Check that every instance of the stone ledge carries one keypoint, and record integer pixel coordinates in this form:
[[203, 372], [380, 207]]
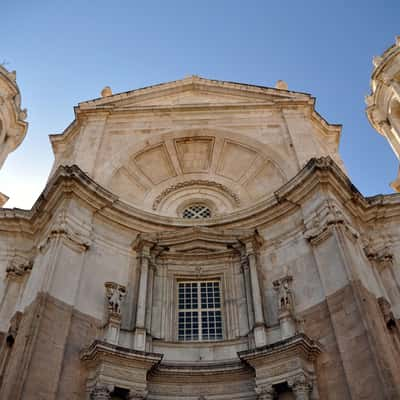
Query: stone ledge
[[99, 350], [295, 345]]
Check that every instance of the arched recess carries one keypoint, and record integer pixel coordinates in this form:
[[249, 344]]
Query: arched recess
[[249, 168]]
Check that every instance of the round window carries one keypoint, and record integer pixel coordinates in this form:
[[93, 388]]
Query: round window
[[196, 211]]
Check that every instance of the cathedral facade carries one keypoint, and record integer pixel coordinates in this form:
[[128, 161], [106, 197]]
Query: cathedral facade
[[200, 239]]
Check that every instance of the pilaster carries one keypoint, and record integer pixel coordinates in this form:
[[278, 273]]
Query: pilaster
[[259, 330], [338, 253]]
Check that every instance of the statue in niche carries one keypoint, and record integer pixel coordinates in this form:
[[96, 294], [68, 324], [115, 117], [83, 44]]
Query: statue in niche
[[115, 294]]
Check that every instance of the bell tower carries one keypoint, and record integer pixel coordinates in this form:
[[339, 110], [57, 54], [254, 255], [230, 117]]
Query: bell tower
[[383, 104]]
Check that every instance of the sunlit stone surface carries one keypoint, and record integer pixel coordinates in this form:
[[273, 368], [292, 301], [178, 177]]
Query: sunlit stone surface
[[200, 239]]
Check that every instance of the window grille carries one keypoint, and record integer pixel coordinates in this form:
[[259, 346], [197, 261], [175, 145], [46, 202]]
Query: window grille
[[199, 314], [196, 211]]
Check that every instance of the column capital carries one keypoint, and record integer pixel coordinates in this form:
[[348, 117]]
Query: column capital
[[18, 267], [301, 386], [100, 392], [265, 392]]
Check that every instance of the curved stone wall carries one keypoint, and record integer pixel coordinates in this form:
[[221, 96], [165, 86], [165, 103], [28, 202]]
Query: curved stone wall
[[383, 105], [12, 118]]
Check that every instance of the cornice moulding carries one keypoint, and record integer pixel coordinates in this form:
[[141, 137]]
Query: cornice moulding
[[318, 174], [265, 96]]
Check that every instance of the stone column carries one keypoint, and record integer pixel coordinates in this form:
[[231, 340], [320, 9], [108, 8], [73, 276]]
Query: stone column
[[259, 324], [140, 331], [149, 301], [247, 285]]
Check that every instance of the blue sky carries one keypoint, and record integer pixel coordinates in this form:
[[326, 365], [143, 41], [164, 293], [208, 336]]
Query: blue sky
[[66, 52]]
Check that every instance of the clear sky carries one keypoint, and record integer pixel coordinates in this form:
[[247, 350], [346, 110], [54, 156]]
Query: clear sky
[[67, 51]]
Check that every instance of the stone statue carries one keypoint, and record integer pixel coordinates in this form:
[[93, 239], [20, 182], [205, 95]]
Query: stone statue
[[115, 294], [285, 294]]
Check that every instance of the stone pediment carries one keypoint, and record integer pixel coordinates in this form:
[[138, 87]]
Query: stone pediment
[[193, 91], [195, 241]]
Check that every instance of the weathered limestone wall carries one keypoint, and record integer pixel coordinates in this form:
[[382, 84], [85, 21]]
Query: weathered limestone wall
[[45, 362], [339, 266]]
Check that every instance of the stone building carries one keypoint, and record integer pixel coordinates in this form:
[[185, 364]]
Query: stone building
[[12, 118], [200, 239], [383, 105]]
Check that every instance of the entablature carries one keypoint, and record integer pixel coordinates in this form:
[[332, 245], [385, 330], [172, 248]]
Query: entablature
[[318, 175]]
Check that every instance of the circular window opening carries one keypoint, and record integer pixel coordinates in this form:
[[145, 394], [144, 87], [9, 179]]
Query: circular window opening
[[196, 211]]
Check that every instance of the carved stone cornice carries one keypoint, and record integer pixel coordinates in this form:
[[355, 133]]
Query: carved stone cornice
[[320, 225], [111, 365], [199, 372], [200, 242], [318, 172], [99, 351], [71, 238], [195, 182], [299, 345]]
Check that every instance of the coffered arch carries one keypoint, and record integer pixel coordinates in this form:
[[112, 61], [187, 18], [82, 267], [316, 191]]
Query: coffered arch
[[234, 169]]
